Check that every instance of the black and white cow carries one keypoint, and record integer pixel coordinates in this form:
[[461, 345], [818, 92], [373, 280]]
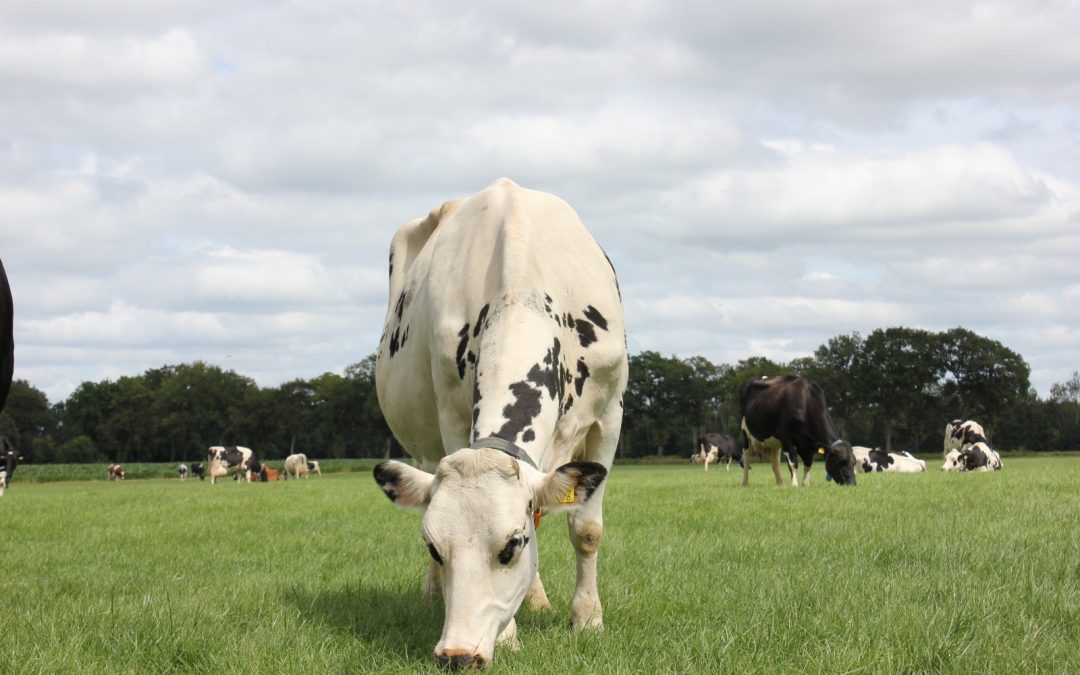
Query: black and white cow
[[314, 468], [232, 460], [197, 469], [9, 459], [976, 457], [869, 460], [183, 471], [788, 413], [7, 338], [959, 435], [501, 370], [713, 448]]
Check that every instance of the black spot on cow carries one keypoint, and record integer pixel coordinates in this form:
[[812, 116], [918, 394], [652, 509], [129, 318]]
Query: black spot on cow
[[880, 458], [583, 374], [481, 319], [520, 414], [463, 344], [586, 334], [386, 477], [399, 306], [528, 436], [594, 315], [395, 344], [391, 263]]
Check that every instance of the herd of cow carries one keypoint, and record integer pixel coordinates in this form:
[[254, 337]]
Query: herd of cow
[[501, 370], [966, 449], [240, 463]]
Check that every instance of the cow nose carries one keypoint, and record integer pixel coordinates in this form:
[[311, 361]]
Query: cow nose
[[458, 660]]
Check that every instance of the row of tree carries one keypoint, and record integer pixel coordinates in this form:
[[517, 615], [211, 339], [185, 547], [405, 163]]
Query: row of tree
[[896, 387]]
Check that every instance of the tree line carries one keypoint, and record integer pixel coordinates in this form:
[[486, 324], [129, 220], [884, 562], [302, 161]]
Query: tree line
[[894, 388]]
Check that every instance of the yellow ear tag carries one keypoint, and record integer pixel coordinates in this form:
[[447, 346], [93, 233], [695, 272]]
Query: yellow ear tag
[[568, 498], [821, 451]]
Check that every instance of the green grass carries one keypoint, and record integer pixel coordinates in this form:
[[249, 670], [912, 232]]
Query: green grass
[[905, 573], [53, 473]]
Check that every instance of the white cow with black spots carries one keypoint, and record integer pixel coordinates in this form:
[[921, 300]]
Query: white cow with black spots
[[976, 457], [230, 461], [960, 435], [501, 371], [870, 460]]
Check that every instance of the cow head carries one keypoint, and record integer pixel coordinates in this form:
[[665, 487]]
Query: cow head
[[954, 461], [840, 462], [478, 527]]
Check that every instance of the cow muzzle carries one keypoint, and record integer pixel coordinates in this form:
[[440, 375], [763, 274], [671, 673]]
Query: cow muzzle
[[460, 659]]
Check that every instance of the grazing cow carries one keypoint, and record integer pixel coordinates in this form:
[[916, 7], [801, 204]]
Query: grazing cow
[[791, 410], [296, 466], [501, 371], [10, 458], [197, 469], [183, 470], [115, 472], [869, 460], [716, 447], [233, 460], [7, 338], [977, 457], [959, 435], [313, 467], [771, 448]]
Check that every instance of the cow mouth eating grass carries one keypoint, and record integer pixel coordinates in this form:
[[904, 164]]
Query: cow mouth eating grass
[[479, 508]]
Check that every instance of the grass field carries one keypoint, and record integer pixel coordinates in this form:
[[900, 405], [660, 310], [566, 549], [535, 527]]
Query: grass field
[[905, 573]]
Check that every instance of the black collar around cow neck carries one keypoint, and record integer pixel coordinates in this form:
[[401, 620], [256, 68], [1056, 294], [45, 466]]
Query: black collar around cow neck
[[496, 443]]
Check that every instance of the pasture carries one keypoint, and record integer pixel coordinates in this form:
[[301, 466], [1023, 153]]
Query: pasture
[[930, 572]]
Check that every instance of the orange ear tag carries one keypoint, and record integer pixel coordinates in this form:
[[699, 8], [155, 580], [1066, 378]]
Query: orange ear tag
[[536, 518]]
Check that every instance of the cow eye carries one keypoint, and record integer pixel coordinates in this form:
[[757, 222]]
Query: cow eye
[[515, 543], [434, 553]]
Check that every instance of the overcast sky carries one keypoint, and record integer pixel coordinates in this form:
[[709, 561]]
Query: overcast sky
[[206, 180]]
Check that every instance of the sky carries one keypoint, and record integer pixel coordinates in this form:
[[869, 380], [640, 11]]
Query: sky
[[187, 180]]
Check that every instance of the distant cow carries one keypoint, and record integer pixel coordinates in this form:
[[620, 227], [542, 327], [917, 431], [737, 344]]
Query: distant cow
[[791, 411], [183, 471], [197, 469], [714, 448], [959, 435], [313, 467], [977, 457], [232, 460], [9, 459], [870, 460], [115, 472], [296, 465], [268, 474]]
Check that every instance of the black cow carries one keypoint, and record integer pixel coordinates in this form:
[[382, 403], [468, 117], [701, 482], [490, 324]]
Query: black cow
[[7, 338], [717, 447], [197, 469], [788, 413]]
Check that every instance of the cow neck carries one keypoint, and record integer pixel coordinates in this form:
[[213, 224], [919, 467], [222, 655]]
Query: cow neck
[[496, 443]]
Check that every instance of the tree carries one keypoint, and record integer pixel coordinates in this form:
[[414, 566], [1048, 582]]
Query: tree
[[659, 401], [898, 370], [1068, 393], [982, 377], [28, 411]]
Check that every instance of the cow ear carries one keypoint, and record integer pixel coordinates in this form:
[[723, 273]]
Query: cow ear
[[569, 486], [407, 487]]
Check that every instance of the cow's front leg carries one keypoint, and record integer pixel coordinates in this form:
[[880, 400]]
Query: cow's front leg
[[433, 583], [508, 637], [586, 529], [537, 597]]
